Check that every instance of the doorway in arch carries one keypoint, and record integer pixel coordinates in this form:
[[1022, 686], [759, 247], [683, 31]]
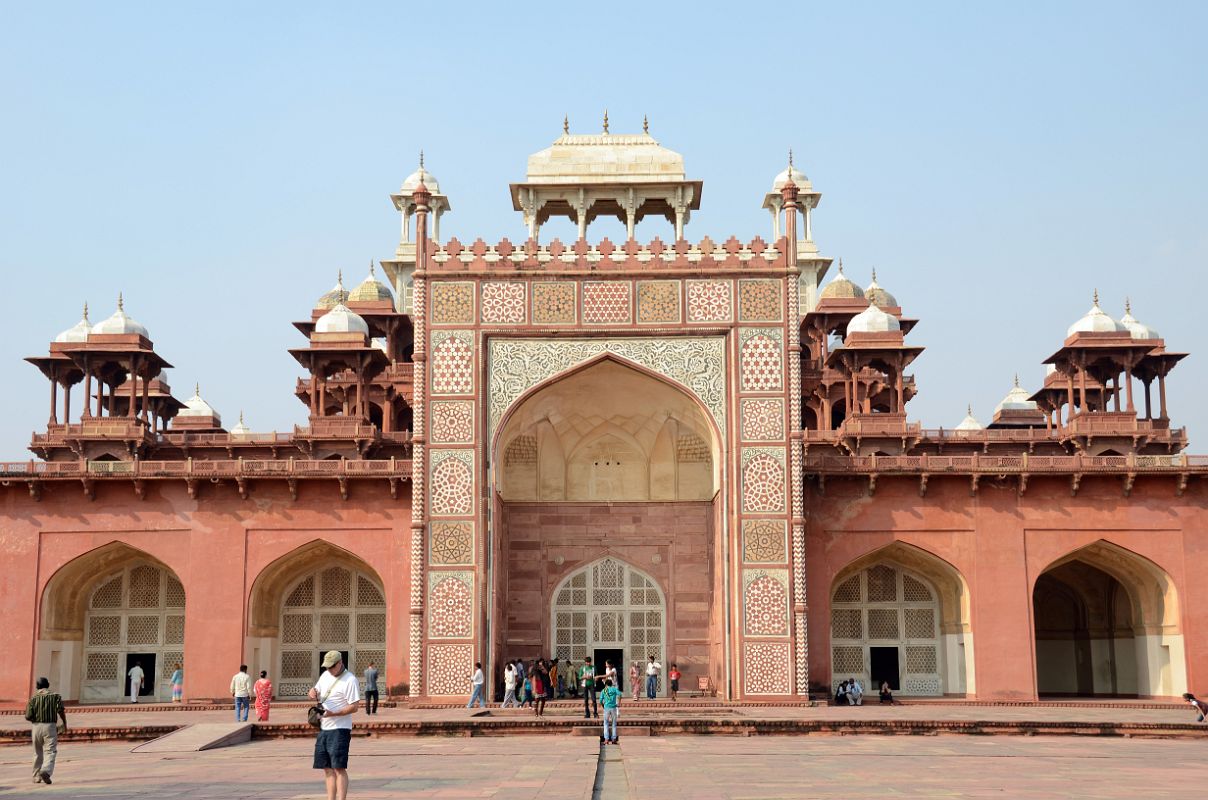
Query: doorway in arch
[[609, 606]]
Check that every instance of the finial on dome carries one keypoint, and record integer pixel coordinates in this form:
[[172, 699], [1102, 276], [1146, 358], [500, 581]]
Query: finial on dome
[[874, 274], [969, 409], [1096, 298], [1127, 306], [645, 124], [421, 158], [340, 279], [1016, 380], [120, 306], [241, 416], [606, 120], [790, 160], [85, 309], [565, 124], [840, 265], [371, 267], [197, 388]]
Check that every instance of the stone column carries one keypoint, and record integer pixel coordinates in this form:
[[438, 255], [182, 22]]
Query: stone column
[[419, 438]]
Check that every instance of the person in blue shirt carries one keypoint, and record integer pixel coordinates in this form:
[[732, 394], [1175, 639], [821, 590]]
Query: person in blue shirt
[[610, 699]]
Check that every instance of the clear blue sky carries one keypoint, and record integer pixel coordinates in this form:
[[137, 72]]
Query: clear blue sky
[[217, 164]]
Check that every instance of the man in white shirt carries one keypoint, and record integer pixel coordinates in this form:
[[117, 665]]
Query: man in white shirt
[[509, 687], [241, 690], [476, 683], [856, 693], [652, 677], [337, 691], [136, 681]]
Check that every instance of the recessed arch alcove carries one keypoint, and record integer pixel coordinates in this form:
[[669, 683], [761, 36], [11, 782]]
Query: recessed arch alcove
[[608, 463]]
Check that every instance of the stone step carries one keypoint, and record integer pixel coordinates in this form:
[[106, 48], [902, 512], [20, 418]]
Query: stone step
[[200, 736]]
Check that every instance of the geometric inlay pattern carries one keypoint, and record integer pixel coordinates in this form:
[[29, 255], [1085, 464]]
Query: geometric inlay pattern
[[451, 543], [766, 668], [453, 421], [658, 301], [761, 360], [710, 301], [766, 602], [452, 483], [449, 668], [502, 302], [759, 301], [450, 605], [453, 362], [554, 303], [764, 541], [452, 302], [763, 479], [697, 363], [606, 302], [763, 420]]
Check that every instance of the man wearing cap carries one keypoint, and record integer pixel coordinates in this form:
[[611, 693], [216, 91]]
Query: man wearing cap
[[44, 709], [337, 691]]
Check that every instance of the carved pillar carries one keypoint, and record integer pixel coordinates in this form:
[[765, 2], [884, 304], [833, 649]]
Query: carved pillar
[[419, 461], [54, 400], [1162, 397], [796, 483]]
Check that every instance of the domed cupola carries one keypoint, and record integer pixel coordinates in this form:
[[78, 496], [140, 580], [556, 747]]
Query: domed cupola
[[197, 407], [1095, 321], [78, 332], [370, 290], [333, 298], [799, 179], [1016, 400], [873, 320], [841, 288], [970, 423], [119, 323], [421, 175], [240, 429], [1138, 330], [878, 296], [342, 319]]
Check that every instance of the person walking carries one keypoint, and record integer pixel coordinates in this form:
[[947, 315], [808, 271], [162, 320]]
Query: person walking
[[509, 686], [371, 689], [43, 710], [136, 681], [587, 680], [241, 690], [477, 685], [178, 683], [652, 677], [610, 699], [263, 690], [540, 678], [1201, 708], [674, 676], [635, 680], [337, 691], [554, 694]]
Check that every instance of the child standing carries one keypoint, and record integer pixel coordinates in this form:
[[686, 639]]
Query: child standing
[[674, 676], [610, 698]]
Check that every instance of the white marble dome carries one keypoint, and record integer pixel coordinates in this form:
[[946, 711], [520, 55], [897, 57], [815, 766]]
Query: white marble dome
[[841, 288], [1016, 400], [240, 429], [338, 294], [878, 296], [341, 319], [78, 332], [196, 407], [1138, 330], [421, 175], [970, 423], [1095, 321], [873, 320], [799, 179], [120, 323]]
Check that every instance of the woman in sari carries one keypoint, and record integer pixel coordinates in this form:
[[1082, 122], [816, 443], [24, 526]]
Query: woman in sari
[[263, 690], [178, 684], [635, 680]]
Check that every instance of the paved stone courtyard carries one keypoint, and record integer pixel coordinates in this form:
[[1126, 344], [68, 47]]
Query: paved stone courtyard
[[661, 768]]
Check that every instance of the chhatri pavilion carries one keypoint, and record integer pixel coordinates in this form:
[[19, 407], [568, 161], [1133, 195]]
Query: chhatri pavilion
[[695, 449]]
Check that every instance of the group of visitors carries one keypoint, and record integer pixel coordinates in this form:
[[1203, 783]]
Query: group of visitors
[[851, 692]]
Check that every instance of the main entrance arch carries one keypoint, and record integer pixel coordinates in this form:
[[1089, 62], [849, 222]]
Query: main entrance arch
[[608, 605]]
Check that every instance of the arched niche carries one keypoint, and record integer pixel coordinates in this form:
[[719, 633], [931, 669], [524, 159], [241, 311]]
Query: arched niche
[[1106, 622], [919, 580], [268, 590], [102, 609], [608, 432]]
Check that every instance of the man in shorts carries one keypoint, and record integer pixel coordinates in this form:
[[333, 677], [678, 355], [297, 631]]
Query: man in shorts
[[337, 691]]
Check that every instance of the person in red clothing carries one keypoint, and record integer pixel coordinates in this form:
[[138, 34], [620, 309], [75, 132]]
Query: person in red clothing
[[674, 676]]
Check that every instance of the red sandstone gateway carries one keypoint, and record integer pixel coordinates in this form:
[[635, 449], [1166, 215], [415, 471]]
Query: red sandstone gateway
[[678, 450]]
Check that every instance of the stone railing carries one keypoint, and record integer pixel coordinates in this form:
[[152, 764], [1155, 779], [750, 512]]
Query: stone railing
[[1023, 463], [198, 468], [116, 428], [657, 255]]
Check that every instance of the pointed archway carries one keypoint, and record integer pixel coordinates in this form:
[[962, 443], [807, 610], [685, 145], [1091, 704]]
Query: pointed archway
[[1106, 623], [102, 613]]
